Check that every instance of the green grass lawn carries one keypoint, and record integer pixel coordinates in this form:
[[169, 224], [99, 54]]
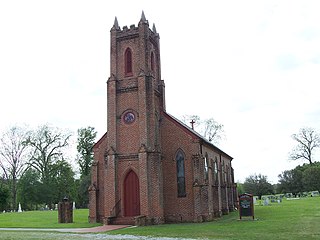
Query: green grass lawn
[[44, 219], [291, 219], [294, 219]]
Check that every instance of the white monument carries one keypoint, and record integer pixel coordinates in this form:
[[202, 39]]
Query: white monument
[[19, 208]]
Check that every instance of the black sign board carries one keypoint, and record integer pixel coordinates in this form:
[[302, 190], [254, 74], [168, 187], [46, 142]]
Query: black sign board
[[246, 205]]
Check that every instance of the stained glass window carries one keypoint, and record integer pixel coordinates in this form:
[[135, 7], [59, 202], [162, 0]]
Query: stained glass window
[[180, 174]]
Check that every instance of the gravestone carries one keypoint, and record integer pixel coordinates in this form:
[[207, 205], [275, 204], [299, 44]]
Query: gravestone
[[246, 205], [19, 208], [65, 211]]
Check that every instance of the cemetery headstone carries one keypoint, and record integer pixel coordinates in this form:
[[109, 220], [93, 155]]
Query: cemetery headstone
[[246, 205]]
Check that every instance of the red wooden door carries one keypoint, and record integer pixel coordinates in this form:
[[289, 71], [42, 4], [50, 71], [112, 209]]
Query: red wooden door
[[131, 195]]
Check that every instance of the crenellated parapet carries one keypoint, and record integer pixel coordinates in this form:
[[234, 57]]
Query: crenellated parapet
[[133, 31]]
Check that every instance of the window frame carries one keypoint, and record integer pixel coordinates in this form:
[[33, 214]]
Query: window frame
[[206, 167], [128, 64], [181, 180]]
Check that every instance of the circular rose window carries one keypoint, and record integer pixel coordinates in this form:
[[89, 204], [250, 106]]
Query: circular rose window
[[129, 117]]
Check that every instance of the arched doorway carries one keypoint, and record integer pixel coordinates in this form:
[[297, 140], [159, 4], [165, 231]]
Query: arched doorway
[[131, 195]]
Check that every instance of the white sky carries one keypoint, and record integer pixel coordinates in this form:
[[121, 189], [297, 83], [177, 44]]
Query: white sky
[[254, 66]]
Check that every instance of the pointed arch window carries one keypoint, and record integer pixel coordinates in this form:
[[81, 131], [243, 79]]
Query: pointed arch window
[[226, 174], [216, 169], [206, 168], [180, 158], [223, 174], [152, 62], [128, 62]]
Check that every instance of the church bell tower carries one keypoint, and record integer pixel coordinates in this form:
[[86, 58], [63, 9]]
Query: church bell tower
[[135, 102]]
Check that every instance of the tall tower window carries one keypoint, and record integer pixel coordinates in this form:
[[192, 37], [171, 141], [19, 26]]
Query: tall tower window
[[152, 61], [180, 174], [128, 62]]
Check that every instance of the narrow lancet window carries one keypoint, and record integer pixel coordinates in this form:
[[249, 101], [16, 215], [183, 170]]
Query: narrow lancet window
[[152, 61], [206, 170], [180, 174], [128, 62], [216, 169]]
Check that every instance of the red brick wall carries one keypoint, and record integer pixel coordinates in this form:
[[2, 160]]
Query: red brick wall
[[173, 137]]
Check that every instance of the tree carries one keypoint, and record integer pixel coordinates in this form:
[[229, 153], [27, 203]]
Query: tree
[[4, 195], [209, 128], [86, 137], [240, 188], [300, 179], [62, 181], [257, 185], [308, 140], [13, 153], [82, 185], [29, 189], [290, 181], [311, 178], [46, 145], [212, 130]]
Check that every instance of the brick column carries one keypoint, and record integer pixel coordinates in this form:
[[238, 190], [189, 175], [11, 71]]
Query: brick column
[[110, 183], [93, 204], [143, 181], [210, 191], [197, 188]]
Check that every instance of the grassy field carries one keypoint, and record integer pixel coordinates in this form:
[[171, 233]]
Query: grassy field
[[44, 219], [294, 219]]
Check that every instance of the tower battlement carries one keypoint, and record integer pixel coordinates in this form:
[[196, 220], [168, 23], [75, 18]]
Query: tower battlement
[[133, 30]]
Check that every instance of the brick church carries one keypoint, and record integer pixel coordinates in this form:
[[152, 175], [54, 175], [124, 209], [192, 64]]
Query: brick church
[[150, 168]]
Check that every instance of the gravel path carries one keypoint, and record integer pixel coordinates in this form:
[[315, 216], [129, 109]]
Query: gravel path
[[73, 236], [74, 233]]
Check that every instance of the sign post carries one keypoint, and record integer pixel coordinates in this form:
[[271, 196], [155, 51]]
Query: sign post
[[246, 205]]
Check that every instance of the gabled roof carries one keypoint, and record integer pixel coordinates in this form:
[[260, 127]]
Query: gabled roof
[[97, 144], [183, 127], [194, 134]]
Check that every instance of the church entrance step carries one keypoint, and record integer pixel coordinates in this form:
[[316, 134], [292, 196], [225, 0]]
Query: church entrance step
[[123, 221]]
